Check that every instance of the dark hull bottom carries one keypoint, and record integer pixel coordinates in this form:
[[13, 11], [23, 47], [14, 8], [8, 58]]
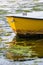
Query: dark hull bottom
[[30, 36]]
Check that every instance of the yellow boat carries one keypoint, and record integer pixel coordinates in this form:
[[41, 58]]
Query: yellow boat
[[25, 24]]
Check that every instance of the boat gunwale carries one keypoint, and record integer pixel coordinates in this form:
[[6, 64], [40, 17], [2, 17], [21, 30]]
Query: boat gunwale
[[34, 18]]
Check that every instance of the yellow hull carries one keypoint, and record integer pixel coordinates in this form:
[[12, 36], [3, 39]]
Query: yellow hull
[[26, 25]]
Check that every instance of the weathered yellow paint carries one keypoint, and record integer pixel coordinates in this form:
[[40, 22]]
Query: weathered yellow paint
[[25, 24], [10, 21]]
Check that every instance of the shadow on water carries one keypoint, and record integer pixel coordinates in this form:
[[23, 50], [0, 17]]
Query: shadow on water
[[30, 36], [26, 47]]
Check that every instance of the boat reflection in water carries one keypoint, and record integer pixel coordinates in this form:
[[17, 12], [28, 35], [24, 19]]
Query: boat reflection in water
[[28, 42]]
